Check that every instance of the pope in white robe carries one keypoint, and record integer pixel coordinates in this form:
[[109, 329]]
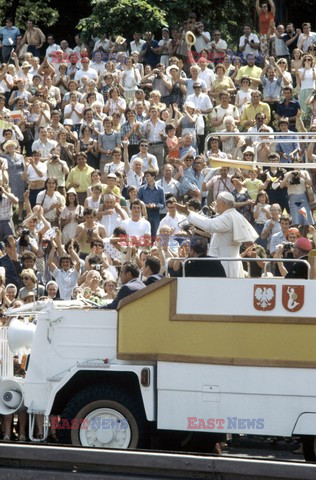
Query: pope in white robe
[[229, 230]]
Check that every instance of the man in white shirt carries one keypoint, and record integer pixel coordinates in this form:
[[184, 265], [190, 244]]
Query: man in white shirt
[[306, 38], [136, 226], [218, 46], [103, 44], [154, 131], [201, 100], [51, 49], [67, 275], [206, 74], [98, 65], [65, 48], [149, 160], [202, 38], [169, 184], [249, 42], [43, 144], [86, 71], [137, 44], [74, 110], [203, 107], [173, 218]]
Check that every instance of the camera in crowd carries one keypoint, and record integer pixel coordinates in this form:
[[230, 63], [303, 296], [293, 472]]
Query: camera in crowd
[[95, 263], [24, 241], [196, 28], [157, 73], [95, 267], [295, 179], [287, 249]]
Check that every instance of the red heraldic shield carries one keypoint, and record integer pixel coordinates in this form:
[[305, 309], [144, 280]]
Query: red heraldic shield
[[264, 297], [292, 297]]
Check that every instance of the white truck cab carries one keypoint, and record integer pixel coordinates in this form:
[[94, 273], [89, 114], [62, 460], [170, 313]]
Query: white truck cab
[[191, 355]]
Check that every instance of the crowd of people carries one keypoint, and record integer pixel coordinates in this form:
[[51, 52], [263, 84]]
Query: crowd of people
[[104, 159]]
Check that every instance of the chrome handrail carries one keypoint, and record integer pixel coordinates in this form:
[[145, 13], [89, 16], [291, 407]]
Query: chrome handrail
[[239, 259]]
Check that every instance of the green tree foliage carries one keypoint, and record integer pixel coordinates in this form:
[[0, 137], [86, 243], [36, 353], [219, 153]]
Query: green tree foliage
[[39, 10], [229, 16], [127, 16], [122, 17]]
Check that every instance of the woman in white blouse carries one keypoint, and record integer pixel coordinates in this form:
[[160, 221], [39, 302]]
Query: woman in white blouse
[[307, 75]]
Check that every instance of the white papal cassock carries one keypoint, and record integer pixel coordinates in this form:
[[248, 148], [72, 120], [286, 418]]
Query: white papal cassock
[[230, 230]]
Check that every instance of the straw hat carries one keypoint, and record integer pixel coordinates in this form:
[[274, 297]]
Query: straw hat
[[190, 38], [10, 142], [26, 65]]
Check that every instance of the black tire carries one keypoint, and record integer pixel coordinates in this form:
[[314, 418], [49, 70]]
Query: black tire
[[309, 448], [100, 398]]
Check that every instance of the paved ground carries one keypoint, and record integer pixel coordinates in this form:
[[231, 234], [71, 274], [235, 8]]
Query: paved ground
[[260, 447]]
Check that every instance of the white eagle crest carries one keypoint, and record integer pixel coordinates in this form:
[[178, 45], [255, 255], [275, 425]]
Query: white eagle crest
[[264, 296]]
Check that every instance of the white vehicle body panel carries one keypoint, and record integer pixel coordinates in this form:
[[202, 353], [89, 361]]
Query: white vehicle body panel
[[277, 395]]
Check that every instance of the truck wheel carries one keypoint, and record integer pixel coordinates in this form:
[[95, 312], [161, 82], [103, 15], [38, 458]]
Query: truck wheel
[[104, 417], [309, 448]]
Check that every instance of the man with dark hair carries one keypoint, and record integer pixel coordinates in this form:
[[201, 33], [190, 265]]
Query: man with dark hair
[[67, 274], [34, 38], [131, 284], [254, 107], [306, 38], [279, 237], [151, 270], [52, 48], [288, 107], [290, 38], [154, 198], [28, 260], [203, 268], [8, 34]]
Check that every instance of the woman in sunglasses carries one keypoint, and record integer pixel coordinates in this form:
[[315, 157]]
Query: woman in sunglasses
[[30, 285], [307, 75]]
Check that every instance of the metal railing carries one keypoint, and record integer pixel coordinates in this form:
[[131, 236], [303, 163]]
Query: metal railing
[[295, 137], [247, 260], [6, 356]]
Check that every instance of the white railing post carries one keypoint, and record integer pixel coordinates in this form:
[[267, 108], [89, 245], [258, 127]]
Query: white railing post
[[6, 366]]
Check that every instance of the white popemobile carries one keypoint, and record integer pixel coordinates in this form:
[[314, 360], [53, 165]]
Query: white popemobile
[[193, 356]]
